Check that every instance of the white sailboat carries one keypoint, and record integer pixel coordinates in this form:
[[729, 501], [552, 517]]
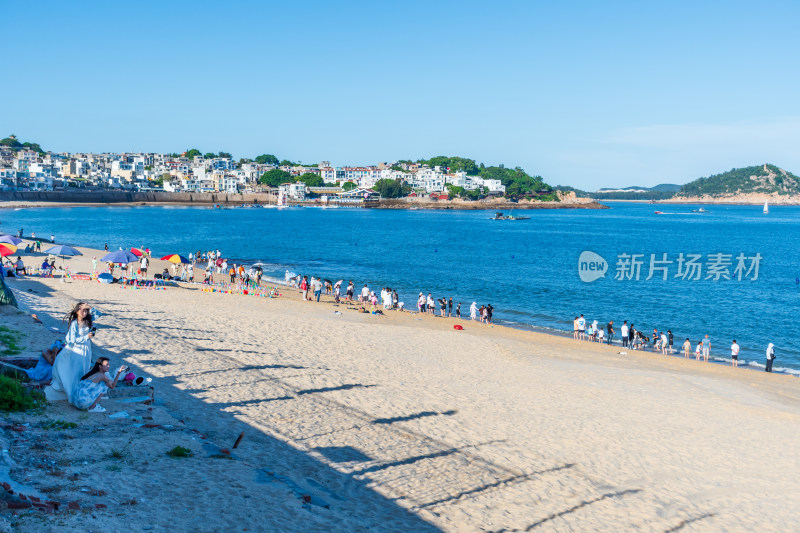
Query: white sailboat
[[766, 207]]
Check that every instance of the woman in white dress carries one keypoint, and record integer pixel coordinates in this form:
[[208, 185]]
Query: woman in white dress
[[75, 359], [473, 311]]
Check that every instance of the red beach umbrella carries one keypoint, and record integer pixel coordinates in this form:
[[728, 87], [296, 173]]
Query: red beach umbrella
[[175, 258], [137, 252], [7, 249]]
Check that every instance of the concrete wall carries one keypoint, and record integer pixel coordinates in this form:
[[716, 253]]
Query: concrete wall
[[113, 197]]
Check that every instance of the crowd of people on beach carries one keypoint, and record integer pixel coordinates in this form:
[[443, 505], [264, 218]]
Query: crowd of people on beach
[[659, 341], [313, 287]]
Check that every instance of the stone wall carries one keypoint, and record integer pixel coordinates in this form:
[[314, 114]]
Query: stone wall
[[114, 197]]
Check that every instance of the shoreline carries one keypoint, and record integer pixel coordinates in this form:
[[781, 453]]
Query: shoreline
[[755, 363], [433, 205], [699, 201]]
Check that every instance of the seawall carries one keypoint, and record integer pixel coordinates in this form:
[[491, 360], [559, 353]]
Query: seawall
[[123, 197]]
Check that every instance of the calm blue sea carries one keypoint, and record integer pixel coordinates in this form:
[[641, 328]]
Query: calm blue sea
[[528, 270]]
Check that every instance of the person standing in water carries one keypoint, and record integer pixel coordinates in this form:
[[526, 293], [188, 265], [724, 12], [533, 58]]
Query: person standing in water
[[734, 354]]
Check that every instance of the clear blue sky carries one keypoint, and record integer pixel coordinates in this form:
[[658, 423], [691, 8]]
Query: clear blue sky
[[587, 94]]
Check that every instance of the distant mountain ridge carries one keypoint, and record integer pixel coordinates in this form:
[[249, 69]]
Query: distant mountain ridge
[[662, 191], [663, 187], [745, 185], [763, 179]]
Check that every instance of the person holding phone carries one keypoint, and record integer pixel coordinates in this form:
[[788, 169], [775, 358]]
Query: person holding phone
[[93, 385], [76, 357]]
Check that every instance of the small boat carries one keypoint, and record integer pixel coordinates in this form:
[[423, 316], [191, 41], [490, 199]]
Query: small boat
[[701, 210], [659, 212], [766, 208], [500, 216], [218, 206]]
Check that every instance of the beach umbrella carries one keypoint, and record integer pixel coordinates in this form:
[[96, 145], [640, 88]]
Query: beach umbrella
[[338, 283], [123, 257], [7, 249], [137, 252], [292, 275], [10, 239], [176, 258], [61, 251]]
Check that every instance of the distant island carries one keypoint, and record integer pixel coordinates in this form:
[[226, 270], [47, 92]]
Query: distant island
[[747, 185]]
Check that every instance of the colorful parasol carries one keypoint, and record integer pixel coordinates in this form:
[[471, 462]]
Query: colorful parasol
[[175, 258], [137, 252], [10, 239], [7, 249]]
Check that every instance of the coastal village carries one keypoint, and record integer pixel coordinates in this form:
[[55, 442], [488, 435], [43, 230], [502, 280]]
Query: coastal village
[[32, 170]]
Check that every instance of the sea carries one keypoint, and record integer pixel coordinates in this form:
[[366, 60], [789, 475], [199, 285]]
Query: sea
[[731, 272]]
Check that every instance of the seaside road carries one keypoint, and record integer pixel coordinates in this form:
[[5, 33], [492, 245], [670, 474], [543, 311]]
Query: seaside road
[[404, 422]]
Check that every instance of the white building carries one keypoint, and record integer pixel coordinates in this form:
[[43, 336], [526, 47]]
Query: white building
[[294, 191]]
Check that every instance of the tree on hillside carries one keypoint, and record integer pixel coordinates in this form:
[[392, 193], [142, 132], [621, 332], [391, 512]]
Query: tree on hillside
[[11, 141], [191, 152], [210, 155], [455, 164], [224, 155], [286, 163], [267, 159], [275, 177], [311, 179], [395, 188], [349, 186]]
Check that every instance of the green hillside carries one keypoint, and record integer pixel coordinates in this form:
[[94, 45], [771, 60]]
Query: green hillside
[[12, 142], [759, 179]]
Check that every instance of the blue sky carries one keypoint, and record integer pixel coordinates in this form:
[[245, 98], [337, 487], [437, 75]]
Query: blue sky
[[588, 94]]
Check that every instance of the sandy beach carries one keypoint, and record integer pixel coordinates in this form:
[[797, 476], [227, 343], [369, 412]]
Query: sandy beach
[[390, 423]]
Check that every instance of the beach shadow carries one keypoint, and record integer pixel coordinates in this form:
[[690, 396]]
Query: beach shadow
[[257, 401], [246, 367], [415, 416], [126, 352], [342, 454], [155, 362], [574, 508], [228, 350], [688, 521], [314, 483], [28, 284], [406, 461], [331, 389]]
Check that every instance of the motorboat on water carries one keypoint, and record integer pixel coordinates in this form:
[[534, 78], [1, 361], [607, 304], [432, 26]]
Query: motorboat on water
[[701, 210], [500, 216]]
